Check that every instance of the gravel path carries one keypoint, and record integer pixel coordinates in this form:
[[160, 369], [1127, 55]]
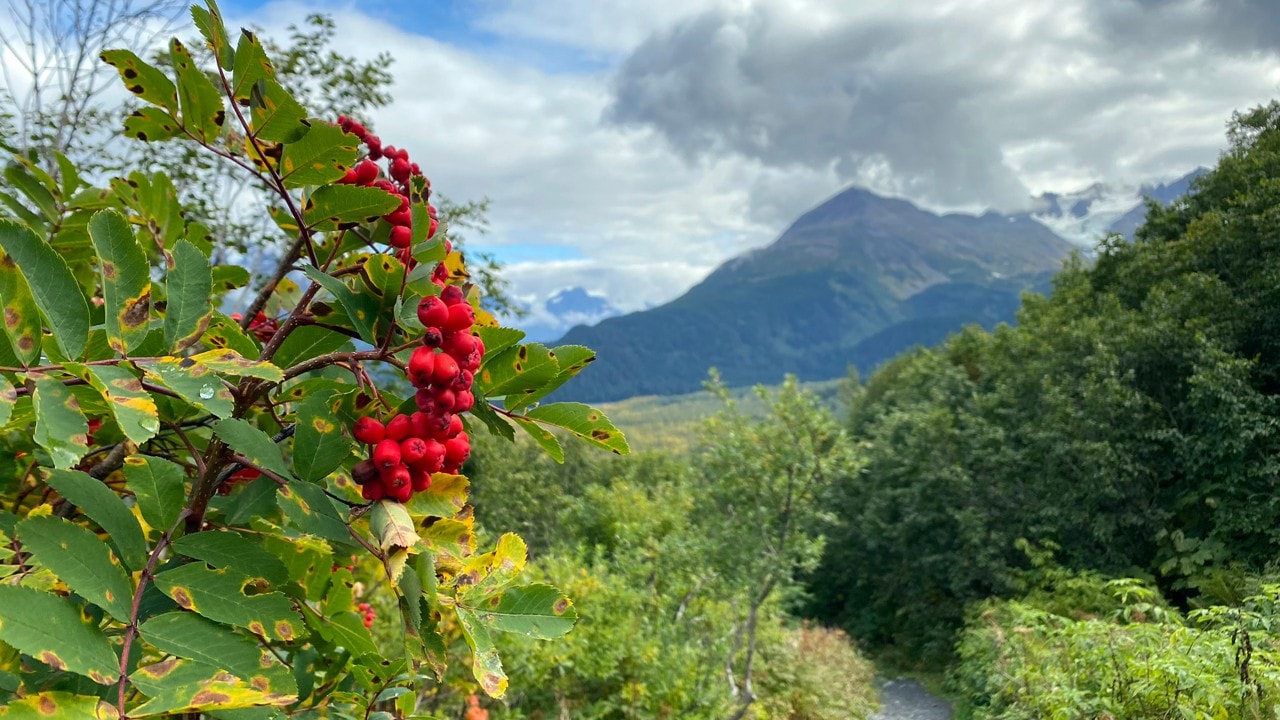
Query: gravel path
[[904, 699]]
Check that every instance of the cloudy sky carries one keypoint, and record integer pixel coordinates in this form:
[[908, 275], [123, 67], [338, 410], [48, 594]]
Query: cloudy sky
[[629, 147]]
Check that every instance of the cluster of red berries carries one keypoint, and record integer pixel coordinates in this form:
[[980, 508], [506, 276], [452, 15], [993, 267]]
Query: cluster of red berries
[[408, 449], [366, 610], [399, 171], [262, 327]]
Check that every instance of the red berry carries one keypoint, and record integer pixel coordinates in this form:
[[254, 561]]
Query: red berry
[[459, 344], [445, 399], [386, 454], [400, 169], [455, 427], [395, 477], [432, 337], [463, 401], [421, 365], [399, 217], [349, 178], [366, 172], [457, 450], [445, 371], [461, 317], [368, 431], [432, 227], [452, 295], [420, 427], [432, 312], [364, 472], [412, 450], [425, 399], [419, 479], [373, 491], [401, 236], [402, 493], [433, 458], [399, 427], [464, 380], [390, 151]]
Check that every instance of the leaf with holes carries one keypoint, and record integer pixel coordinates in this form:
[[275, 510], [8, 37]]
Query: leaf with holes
[[81, 560], [584, 421], [126, 280], [50, 629], [188, 285], [219, 595], [52, 285]]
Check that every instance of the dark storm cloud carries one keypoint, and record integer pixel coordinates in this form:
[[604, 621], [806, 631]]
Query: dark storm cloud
[[931, 103]]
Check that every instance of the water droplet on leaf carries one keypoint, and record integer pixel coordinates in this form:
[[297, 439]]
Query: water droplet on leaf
[[206, 392]]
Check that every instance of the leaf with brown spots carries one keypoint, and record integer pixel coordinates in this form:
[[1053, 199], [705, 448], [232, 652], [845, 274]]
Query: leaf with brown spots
[[488, 573], [126, 280], [570, 359], [188, 286], [537, 611], [584, 421], [134, 408], [60, 426], [517, 371], [486, 664], [219, 595], [56, 291], [189, 636], [319, 443], [81, 560], [58, 705], [151, 124], [51, 629], [445, 498], [229, 362], [320, 156], [143, 80], [176, 686], [21, 317], [203, 112]]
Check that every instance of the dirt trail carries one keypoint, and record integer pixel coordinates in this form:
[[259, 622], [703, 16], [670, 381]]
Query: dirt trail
[[904, 699]]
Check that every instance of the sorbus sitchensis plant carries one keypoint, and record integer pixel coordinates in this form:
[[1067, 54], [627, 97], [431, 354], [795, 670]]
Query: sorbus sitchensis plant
[[194, 456]]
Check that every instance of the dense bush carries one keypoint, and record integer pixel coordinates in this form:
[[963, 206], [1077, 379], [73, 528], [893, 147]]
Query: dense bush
[[1019, 661]]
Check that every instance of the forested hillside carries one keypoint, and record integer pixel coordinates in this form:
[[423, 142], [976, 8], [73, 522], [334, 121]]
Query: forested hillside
[[1128, 426]]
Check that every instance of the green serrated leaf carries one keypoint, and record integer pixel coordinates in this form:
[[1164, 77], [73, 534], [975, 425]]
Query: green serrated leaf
[[361, 309], [209, 21], [319, 444], [22, 322], [275, 115], [105, 508], [50, 629], [445, 498], [308, 508], [308, 342], [158, 487], [230, 362], [320, 156], [193, 382], [347, 630], [571, 359], [584, 421], [151, 124], [253, 444], [52, 285], [60, 426], [486, 664], [188, 286], [126, 280], [483, 412], [133, 408], [219, 595], [223, 332], [518, 370], [202, 109], [543, 437], [251, 65], [8, 398], [331, 207], [537, 611], [232, 550], [189, 636], [81, 560], [143, 80], [20, 176]]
